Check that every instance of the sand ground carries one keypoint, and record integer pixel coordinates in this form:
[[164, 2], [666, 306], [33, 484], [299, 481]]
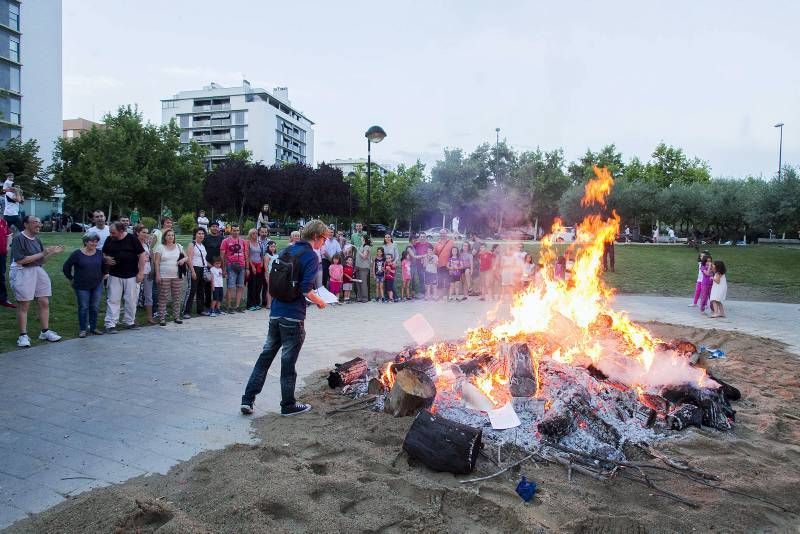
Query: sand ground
[[347, 473]]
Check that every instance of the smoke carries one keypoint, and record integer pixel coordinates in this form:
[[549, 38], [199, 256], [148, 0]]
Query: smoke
[[668, 369]]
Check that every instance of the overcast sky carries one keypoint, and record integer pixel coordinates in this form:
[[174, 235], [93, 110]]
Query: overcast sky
[[712, 77]]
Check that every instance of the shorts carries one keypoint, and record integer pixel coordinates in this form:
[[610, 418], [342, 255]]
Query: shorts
[[235, 279], [216, 294], [378, 278], [430, 279], [455, 277], [347, 286], [389, 285], [29, 283], [443, 277]]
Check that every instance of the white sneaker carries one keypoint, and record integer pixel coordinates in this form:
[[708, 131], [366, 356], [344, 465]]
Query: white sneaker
[[49, 335], [23, 341]]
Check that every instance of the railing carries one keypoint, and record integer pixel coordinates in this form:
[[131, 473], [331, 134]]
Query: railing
[[219, 151], [198, 124], [220, 137], [225, 122], [201, 108], [221, 107]]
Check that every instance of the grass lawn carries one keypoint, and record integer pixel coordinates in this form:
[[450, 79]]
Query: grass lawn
[[754, 273]]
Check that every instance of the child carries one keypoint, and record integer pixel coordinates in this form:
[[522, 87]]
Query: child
[[454, 269], [496, 271], [698, 288], [405, 268], [335, 274], [705, 291], [347, 273], [216, 286], [466, 269], [389, 270], [560, 269], [377, 271], [485, 269], [719, 290], [508, 270], [431, 277], [527, 270]]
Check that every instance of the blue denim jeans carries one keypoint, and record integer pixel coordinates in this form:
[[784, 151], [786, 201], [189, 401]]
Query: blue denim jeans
[[88, 302], [290, 335]]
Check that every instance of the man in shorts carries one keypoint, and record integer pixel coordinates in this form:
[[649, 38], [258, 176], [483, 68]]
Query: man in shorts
[[30, 281], [233, 250]]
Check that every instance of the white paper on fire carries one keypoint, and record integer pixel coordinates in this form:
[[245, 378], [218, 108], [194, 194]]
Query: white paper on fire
[[326, 296], [419, 329], [504, 418], [474, 398]]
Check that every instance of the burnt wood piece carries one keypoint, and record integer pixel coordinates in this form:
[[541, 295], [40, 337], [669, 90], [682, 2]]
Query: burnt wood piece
[[520, 364], [717, 411], [731, 393], [595, 424], [684, 347], [374, 386], [645, 415], [442, 444], [348, 372], [596, 373], [685, 416], [656, 402], [557, 426], [412, 391], [424, 365], [470, 367]]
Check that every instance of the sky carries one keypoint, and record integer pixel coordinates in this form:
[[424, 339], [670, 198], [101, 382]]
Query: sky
[[711, 77]]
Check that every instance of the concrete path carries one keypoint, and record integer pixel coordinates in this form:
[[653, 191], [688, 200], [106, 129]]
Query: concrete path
[[91, 412]]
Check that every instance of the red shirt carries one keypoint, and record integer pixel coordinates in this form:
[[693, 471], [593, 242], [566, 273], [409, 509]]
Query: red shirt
[[348, 274], [233, 250], [485, 260], [3, 237], [388, 271]]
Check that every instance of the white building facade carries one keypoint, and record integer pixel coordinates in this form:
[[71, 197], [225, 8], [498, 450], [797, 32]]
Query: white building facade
[[30, 73], [231, 119], [348, 166]]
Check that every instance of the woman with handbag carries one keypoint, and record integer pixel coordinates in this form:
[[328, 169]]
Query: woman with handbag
[[143, 234], [169, 262], [200, 274]]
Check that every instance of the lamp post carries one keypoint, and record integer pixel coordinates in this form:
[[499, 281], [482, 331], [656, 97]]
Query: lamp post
[[375, 134], [780, 148]]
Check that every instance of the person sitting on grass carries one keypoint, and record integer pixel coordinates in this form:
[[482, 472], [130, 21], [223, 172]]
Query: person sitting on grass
[[85, 270], [30, 281]]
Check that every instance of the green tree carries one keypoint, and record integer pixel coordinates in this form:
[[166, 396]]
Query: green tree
[[582, 170], [539, 177], [23, 160]]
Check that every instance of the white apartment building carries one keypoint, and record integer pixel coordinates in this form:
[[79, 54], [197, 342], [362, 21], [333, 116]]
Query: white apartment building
[[348, 166], [230, 119]]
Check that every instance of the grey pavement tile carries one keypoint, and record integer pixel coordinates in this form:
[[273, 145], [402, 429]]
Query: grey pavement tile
[[35, 500], [19, 464], [10, 514], [65, 481]]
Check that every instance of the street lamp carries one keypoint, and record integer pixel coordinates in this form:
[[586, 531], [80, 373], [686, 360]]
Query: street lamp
[[780, 148], [374, 135]]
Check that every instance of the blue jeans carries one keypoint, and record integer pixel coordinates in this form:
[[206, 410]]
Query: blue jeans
[[290, 335], [88, 302]]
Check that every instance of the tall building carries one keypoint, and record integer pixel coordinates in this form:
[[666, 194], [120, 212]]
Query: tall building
[[348, 166], [229, 119], [30, 72]]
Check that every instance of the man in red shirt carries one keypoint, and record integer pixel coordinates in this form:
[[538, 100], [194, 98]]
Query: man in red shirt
[[485, 258], [233, 250], [4, 235], [419, 249], [442, 249]]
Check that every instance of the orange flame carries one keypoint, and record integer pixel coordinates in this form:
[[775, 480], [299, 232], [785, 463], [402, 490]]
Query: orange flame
[[598, 189]]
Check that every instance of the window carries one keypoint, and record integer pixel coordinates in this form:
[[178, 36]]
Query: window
[[13, 16], [14, 112], [13, 83], [13, 49]]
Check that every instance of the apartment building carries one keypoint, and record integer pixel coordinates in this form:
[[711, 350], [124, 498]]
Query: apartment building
[[73, 128], [231, 119], [350, 165]]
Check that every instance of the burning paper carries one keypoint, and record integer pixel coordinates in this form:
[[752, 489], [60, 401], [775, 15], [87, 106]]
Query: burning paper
[[419, 329], [504, 418]]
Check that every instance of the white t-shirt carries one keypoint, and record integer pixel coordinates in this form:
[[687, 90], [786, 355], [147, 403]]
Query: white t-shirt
[[104, 233], [11, 206], [217, 281], [147, 266], [8, 184], [168, 267], [198, 255], [202, 222]]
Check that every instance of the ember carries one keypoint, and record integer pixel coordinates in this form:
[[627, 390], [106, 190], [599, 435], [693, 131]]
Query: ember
[[576, 371]]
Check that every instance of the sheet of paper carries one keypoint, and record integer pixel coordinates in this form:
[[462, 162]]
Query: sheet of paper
[[474, 398], [503, 418], [419, 329], [327, 296]]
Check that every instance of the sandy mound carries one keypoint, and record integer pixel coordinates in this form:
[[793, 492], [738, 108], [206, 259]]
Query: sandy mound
[[346, 473]]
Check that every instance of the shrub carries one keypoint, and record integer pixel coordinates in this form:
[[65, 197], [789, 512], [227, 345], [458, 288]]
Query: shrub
[[186, 223], [149, 222], [246, 226]]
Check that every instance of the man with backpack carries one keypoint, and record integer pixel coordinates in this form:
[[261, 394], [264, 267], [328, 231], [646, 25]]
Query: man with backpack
[[291, 281]]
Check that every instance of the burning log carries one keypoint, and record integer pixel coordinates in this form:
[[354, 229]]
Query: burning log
[[730, 392], [685, 416], [348, 372], [470, 367], [441, 444], [523, 377], [596, 373], [423, 365], [557, 426], [375, 386], [595, 424], [717, 411], [412, 390]]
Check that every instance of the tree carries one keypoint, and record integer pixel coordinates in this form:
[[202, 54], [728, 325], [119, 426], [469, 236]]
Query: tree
[[23, 160], [582, 171], [540, 177], [670, 165]]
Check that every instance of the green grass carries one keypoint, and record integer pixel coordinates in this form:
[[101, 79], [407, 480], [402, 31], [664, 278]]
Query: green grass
[[754, 273]]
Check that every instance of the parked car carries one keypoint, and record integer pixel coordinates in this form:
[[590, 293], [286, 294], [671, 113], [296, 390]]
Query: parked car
[[566, 235], [378, 230], [433, 233], [404, 234]]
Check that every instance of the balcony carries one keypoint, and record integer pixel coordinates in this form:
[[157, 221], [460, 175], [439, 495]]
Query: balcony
[[220, 137], [219, 151], [201, 124], [220, 122]]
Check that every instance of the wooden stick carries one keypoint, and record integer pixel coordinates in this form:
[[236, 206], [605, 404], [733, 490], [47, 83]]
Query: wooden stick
[[363, 400], [515, 464]]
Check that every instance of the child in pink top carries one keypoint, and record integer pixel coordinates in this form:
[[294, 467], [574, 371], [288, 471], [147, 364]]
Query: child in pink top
[[335, 274], [405, 266]]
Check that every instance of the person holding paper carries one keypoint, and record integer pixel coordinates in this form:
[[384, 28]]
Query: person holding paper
[[287, 326]]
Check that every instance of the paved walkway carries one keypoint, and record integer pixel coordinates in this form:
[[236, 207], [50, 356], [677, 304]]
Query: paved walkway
[[90, 412]]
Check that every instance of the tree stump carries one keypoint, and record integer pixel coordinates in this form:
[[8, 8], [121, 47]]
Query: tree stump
[[523, 379], [424, 365], [412, 391], [347, 372], [443, 445]]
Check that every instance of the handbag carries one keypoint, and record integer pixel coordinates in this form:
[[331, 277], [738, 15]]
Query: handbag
[[181, 266], [207, 276]]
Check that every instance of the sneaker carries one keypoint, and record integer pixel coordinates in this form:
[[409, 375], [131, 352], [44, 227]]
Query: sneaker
[[133, 326], [49, 335], [692, 305], [239, 310], [7, 304], [178, 321], [247, 409], [205, 313], [111, 330], [23, 341], [82, 334], [186, 316], [97, 332], [295, 409]]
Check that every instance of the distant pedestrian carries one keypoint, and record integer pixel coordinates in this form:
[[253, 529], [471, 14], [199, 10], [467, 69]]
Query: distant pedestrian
[[455, 272], [378, 273], [85, 270], [405, 272], [348, 273], [335, 275], [255, 270], [212, 242], [216, 286], [707, 271], [467, 259], [13, 201], [698, 288], [202, 220], [100, 227], [148, 280], [136, 218], [389, 272], [263, 218], [294, 237], [431, 262], [608, 255], [389, 248], [198, 270], [442, 249], [719, 290], [124, 255], [330, 249], [30, 281], [420, 249]]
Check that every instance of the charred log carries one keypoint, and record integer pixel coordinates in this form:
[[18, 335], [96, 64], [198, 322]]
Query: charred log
[[412, 391], [470, 367], [731, 393], [424, 365], [596, 373], [717, 411], [595, 424], [523, 378], [557, 426], [348, 372], [442, 444], [685, 416]]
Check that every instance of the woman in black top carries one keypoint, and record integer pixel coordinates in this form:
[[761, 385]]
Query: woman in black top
[[85, 270]]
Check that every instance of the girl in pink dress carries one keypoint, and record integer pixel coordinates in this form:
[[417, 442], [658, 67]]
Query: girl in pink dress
[[705, 285], [335, 274], [405, 266]]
